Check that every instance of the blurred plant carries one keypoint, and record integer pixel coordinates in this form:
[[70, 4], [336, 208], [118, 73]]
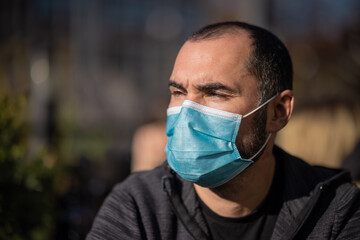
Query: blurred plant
[[27, 186]]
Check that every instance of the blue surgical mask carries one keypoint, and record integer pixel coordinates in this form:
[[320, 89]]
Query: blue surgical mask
[[201, 143]]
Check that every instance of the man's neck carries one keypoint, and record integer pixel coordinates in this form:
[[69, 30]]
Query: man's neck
[[244, 193]]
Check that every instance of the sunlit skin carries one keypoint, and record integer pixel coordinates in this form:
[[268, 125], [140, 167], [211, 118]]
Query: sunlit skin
[[213, 73]]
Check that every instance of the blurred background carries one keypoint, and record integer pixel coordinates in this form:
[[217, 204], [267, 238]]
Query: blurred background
[[83, 87]]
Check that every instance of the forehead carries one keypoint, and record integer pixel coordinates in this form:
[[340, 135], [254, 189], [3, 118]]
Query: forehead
[[227, 49], [221, 59]]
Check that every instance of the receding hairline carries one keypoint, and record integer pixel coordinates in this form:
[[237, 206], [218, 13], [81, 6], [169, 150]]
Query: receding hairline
[[220, 32]]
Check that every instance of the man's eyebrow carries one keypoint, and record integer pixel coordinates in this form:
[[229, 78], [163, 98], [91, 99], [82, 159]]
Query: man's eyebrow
[[176, 85], [215, 86]]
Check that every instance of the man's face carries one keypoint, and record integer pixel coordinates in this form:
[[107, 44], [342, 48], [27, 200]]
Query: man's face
[[213, 73]]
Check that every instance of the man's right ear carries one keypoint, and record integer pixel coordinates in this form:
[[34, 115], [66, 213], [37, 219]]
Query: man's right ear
[[280, 110]]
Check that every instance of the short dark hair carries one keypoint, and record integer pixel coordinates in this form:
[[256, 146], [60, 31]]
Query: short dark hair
[[269, 61]]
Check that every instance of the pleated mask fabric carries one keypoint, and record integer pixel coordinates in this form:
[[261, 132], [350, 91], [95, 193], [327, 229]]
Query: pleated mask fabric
[[201, 143]]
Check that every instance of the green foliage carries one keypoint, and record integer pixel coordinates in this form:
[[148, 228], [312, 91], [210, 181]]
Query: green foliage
[[27, 195]]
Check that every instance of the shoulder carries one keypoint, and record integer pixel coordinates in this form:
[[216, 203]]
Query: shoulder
[[131, 207], [301, 178], [330, 195], [297, 169], [142, 180], [144, 189], [347, 218]]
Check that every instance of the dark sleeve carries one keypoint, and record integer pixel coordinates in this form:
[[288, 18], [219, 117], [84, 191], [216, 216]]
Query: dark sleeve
[[118, 218], [351, 220]]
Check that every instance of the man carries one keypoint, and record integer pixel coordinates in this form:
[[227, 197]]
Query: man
[[224, 178]]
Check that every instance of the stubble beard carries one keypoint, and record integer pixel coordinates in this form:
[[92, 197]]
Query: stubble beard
[[247, 149], [256, 139]]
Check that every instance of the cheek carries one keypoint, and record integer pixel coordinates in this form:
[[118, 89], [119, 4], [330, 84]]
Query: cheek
[[175, 101], [228, 105]]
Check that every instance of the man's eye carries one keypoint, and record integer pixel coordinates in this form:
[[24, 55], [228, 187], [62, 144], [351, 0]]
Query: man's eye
[[216, 94], [177, 93]]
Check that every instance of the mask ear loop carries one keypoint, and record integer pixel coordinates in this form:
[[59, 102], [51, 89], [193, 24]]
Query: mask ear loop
[[268, 138], [262, 148], [248, 114]]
